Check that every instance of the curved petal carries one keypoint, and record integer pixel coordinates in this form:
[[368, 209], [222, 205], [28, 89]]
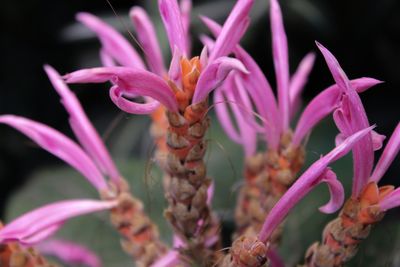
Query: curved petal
[[356, 118], [305, 183], [69, 252], [148, 40], [34, 222], [214, 74], [59, 145], [377, 140], [257, 86], [392, 200], [124, 104], [172, 20], [233, 29], [130, 80], [106, 59], [174, 72], [391, 150], [113, 42], [83, 129], [298, 81], [170, 259], [321, 106], [281, 62], [336, 191], [274, 258]]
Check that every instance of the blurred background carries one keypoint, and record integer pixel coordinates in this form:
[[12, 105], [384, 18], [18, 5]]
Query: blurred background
[[363, 35]]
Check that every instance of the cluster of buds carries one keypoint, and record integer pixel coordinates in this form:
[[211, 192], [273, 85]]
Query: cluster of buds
[[176, 99]]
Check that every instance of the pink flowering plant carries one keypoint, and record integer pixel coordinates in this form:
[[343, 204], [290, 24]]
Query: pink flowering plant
[[186, 227]]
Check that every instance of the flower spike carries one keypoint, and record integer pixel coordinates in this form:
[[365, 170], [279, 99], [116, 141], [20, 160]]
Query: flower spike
[[315, 174], [114, 44], [83, 129], [59, 145], [28, 229]]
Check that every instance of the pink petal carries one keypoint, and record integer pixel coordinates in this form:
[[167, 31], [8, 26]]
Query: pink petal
[[113, 42], [391, 150], [174, 72], [148, 40], [213, 76], [314, 175], [281, 62], [69, 252], [233, 29], [59, 145], [172, 20], [390, 201], [130, 80], [221, 109], [42, 235], [34, 222], [186, 11], [83, 129], [298, 81], [377, 140], [116, 95], [258, 88], [321, 106], [354, 115], [106, 59], [336, 191], [210, 193]]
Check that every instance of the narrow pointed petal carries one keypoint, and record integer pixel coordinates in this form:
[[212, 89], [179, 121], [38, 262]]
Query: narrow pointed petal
[[83, 129], [305, 183], [298, 82], [69, 252], [34, 222], [148, 40], [213, 76], [258, 88], [391, 150], [320, 107], [234, 28], [116, 95], [390, 201], [113, 42], [336, 191], [324, 104], [172, 20], [130, 80], [186, 12], [174, 72], [221, 109], [281, 61], [59, 145], [354, 115]]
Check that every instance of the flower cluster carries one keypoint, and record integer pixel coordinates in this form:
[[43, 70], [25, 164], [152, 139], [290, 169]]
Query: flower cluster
[[176, 98]]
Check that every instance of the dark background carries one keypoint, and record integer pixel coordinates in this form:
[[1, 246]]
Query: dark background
[[364, 35]]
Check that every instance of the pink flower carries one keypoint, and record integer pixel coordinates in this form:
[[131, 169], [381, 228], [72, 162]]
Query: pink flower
[[349, 118], [133, 79], [275, 114], [91, 159], [317, 173]]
